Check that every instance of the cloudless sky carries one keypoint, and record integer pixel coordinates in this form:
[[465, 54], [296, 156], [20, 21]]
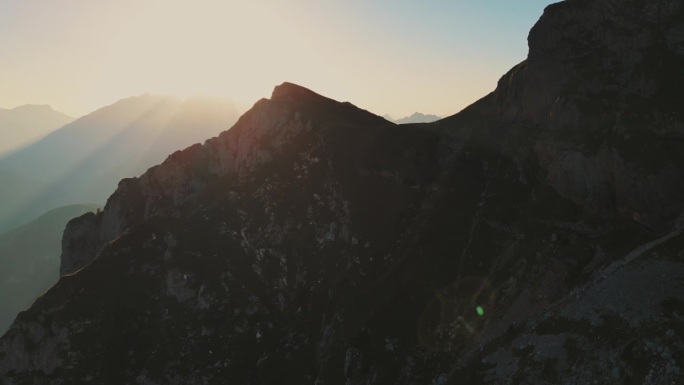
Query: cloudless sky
[[386, 56]]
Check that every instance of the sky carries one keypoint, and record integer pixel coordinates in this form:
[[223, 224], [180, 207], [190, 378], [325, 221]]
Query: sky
[[387, 56]]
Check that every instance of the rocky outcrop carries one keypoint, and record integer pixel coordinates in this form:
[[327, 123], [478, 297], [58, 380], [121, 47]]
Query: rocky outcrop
[[603, 80], [524, 240], [600, 66], [30, 267]]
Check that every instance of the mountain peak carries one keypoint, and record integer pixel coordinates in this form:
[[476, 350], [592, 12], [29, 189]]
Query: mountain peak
[[29, 109], [23, 124], [294, 92], [320, 107], [40, 107], [417, 117]]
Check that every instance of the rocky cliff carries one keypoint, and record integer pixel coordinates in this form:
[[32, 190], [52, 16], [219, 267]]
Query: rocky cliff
[[535, 237], [604, 79], [29, 268]]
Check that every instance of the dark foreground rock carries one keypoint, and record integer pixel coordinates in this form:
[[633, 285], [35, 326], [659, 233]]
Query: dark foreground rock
[[535, 237]]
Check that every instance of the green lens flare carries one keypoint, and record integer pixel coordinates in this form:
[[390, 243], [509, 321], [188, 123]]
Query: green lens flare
[[480, 311]]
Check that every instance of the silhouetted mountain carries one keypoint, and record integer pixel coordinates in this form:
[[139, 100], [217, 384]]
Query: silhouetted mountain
[[83, 161], [29, 256], [417, 117], [535, 237], [21, 125]]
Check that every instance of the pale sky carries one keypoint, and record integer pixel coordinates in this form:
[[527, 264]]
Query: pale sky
[[387, 56]]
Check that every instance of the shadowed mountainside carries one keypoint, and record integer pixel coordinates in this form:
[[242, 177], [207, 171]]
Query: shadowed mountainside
[[534, 237], [29, 256]]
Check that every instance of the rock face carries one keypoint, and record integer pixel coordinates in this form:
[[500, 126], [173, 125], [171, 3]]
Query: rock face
[[605, 82], [29, 267], [534, 237]]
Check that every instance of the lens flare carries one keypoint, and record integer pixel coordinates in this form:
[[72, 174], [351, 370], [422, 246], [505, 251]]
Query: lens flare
[[448, 320]]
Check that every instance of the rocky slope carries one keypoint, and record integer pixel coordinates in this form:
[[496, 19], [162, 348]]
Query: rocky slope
[[534, 237]]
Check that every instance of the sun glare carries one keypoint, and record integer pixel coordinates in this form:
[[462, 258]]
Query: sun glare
[[211, 47], [385, 56]]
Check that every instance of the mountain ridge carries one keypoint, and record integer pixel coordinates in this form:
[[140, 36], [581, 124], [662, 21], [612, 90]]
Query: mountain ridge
[[82, 161], [21, 125], [416, 117]]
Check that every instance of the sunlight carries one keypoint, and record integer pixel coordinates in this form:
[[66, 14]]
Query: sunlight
[[211, 47], [81, 159]]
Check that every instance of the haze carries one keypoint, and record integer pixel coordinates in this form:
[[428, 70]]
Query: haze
[[393, 57]]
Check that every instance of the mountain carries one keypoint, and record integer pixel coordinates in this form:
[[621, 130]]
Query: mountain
[[21, 125], [83, 161], [534, 237], [417, 117], [29, 256]]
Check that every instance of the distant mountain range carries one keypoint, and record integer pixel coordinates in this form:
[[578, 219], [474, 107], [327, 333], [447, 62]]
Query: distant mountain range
[[81, 162], [417, 117], [21, 125], [29, 256], [84, 160]]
